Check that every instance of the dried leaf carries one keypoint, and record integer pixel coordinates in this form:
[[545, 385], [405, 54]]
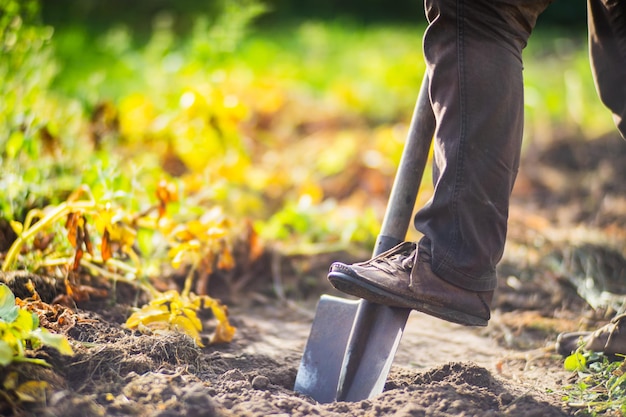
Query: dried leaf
[[86, 238], [80, 293], [105, 246], [225, 260], [42, 241], [166, 193], [72, 229], [77, 257], [254, 242]]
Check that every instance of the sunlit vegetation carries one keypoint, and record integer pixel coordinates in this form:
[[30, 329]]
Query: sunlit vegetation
[[600, 384], [131, 159]]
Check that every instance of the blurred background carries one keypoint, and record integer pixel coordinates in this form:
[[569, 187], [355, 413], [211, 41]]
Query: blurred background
[[281, 119], [570, 14]]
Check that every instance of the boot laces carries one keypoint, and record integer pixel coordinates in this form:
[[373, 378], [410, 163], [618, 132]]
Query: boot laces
[[398, 262]]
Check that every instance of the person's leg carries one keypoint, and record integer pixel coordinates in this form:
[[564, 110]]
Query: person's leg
[[473, 52], [607, 50]]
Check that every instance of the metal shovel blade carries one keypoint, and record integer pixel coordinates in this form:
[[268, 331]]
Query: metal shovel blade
[[321, 373], [320, 366], [352, 344]]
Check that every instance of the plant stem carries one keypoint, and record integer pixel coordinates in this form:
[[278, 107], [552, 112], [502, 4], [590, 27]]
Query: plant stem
[[58, 212]]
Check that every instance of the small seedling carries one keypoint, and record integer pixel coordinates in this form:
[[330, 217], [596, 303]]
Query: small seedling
[[600, 386], [20, 330]]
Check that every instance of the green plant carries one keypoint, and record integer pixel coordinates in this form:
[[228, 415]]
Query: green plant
[[600, 387], [91, 225], [26, 69], [20, 330], [174, 311]]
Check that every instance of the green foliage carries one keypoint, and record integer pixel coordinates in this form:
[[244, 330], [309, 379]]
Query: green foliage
[[115, 233], [33, 120], [297, 129], [373, 71], [26, 69], [306, 228], [19, 330], [560, 96], [600, 387]]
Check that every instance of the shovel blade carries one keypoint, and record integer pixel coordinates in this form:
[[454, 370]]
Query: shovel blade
[[321, 363], [346, 359], [372, 345]]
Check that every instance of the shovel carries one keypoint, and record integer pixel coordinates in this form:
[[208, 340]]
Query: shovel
[[352, 343]]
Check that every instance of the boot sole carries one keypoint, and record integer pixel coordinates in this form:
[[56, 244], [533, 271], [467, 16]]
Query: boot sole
[[362, 289]]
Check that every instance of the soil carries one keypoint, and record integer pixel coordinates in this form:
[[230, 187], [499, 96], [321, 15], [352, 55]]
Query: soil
[[568, 218]]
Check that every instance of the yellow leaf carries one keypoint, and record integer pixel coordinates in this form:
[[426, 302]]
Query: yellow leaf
[[182, 233], [11, 338], [122, 233], [166, 297], [32, 391], [147, 316], [196, 228], [216, 232], [192, 316], [26, 321], [178, 252], [224, 333], [185, 325], [11, 380], [17, 227], [136, 116], [311, 191]]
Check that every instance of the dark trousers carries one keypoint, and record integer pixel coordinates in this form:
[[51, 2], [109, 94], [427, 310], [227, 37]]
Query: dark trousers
[[473, 52]]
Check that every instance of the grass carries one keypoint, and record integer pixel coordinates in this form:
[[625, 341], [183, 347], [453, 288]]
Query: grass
[[600, 385]]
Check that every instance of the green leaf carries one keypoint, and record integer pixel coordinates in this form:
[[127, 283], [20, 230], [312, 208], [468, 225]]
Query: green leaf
[[26, 321], [8, 309], [6, 353], [57, 341], [14, 144], [575, 362]]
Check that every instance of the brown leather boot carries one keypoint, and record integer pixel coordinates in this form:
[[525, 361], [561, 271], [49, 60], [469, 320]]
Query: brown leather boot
[[609, 339], [400, 277]]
